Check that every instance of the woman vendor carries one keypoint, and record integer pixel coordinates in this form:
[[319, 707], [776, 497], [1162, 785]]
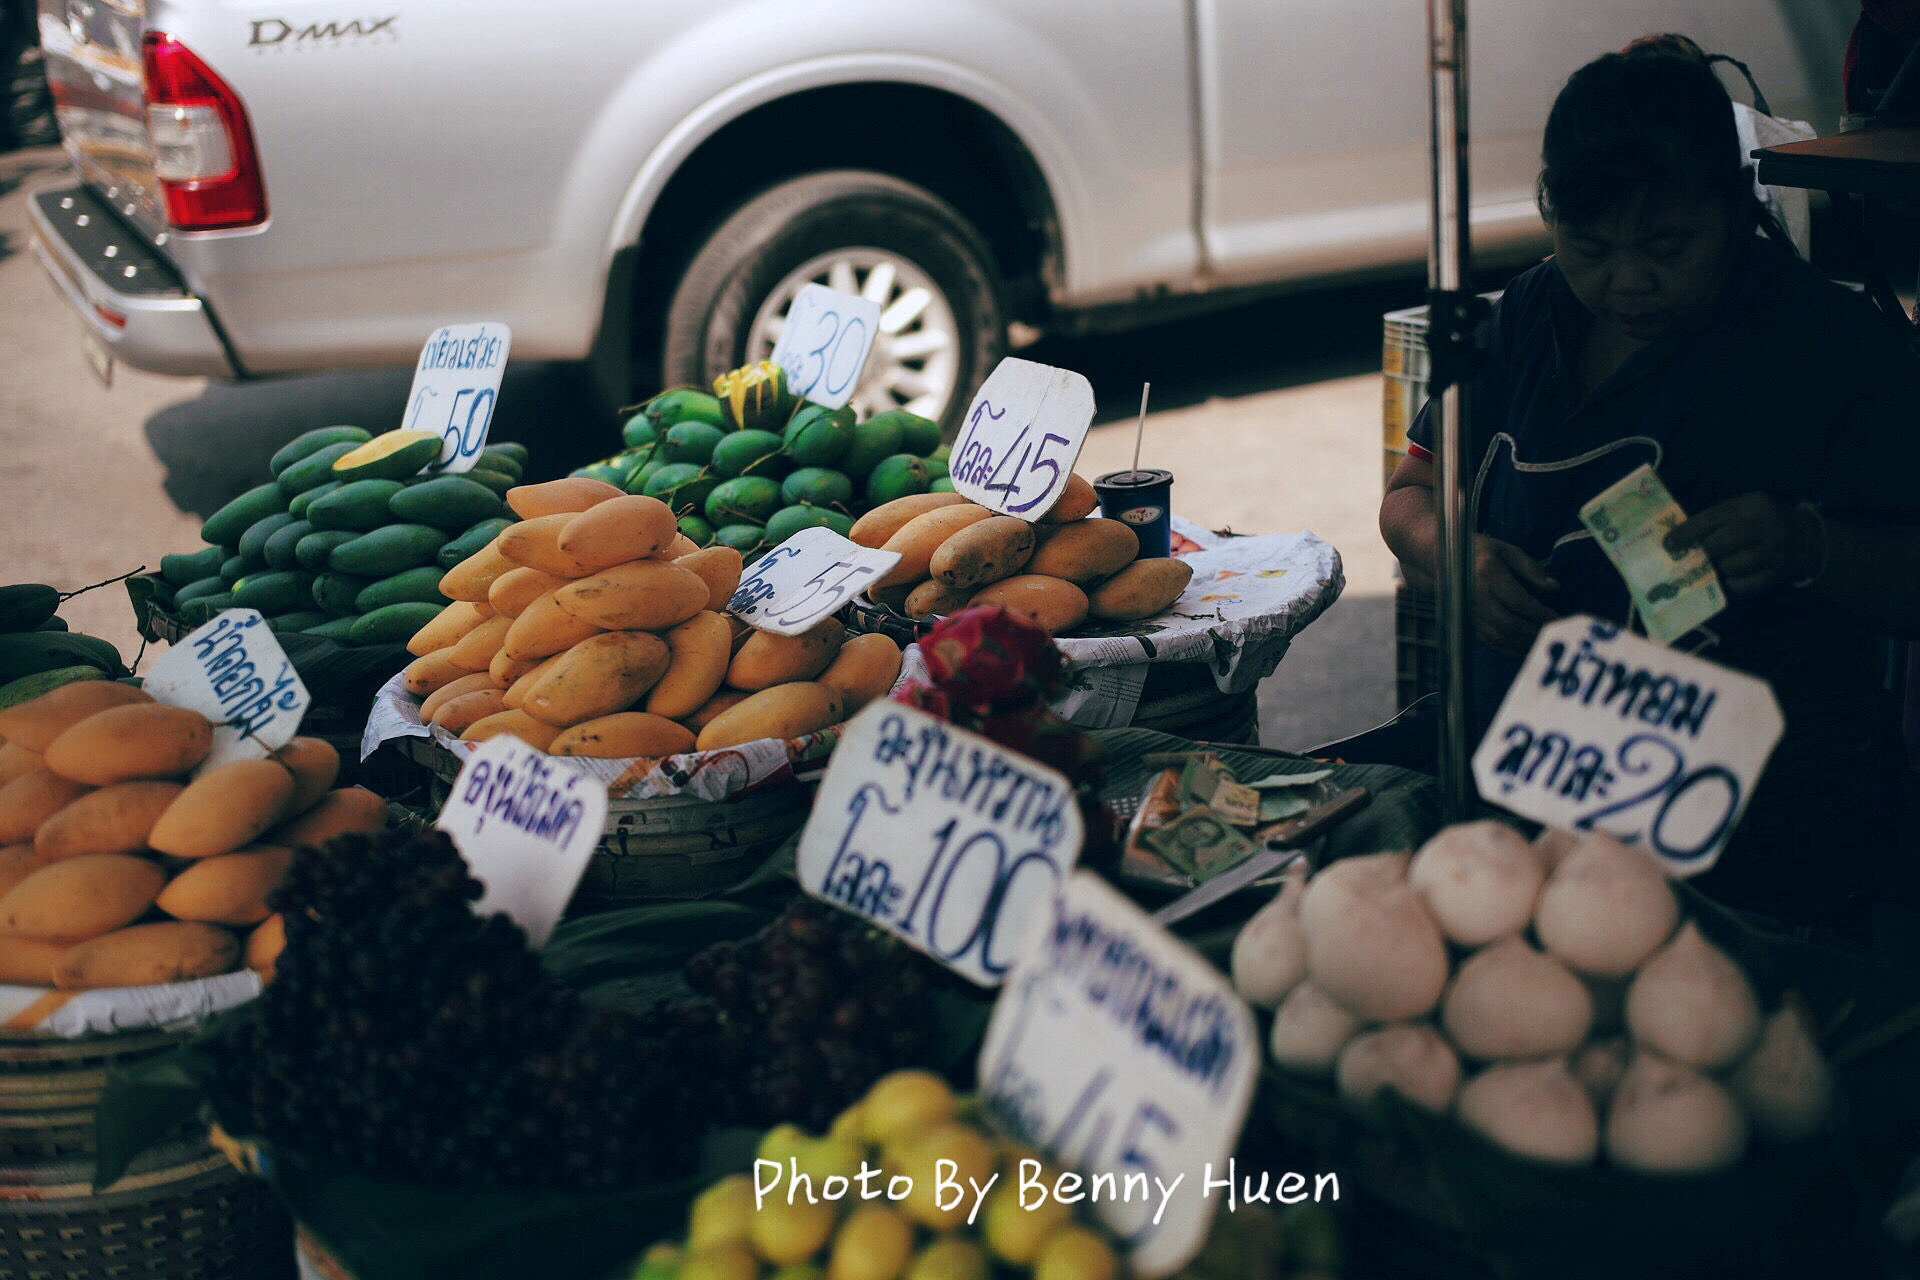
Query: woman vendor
[[1674, 326]]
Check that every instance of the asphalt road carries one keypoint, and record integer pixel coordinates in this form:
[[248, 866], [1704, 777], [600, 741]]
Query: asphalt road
[[1268, 414]]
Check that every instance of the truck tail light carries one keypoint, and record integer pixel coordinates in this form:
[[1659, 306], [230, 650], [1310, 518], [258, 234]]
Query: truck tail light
[[203, 154]]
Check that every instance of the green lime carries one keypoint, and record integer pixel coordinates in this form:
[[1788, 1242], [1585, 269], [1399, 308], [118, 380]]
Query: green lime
[[819, 437], [692, 442], [896, 477], [748, 453], [743, 500]]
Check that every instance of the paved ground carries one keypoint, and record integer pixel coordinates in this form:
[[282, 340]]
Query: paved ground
[[1268, 414]]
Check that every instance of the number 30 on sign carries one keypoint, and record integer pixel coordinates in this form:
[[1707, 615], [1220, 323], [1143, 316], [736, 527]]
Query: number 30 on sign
[[940, 836]]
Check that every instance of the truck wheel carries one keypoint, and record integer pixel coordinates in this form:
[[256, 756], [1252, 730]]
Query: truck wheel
[[942, 328]]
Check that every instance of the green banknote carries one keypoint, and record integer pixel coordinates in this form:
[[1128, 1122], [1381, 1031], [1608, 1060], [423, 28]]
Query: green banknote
[[1630, 521], [1200, 842]]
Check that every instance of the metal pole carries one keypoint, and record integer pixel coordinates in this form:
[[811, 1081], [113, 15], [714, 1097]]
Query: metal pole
[[1449, 269]]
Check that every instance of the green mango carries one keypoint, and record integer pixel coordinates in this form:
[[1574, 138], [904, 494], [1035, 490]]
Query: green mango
[[918, 435], [315, 469], [790, 520], [282, 549], [311, 442], [697, 530], [818, 436], [180, 569], [26, 605], [360, 505], [682, 486], [470, 541], [818, 487], [224, 527], [274, 591], [874, 441], [387, 551], [744, 538], [743, 500], [316, 549], [336, 592], [409, 586], [394, 624], [899, 476], [452, 503]]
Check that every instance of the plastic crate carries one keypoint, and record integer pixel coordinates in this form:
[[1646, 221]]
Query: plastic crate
[[1407, 370], [1416, 646]]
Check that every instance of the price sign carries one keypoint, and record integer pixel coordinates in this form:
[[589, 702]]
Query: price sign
[[1117, 1051], [455, 386], [233, 672], [939, 836], [825, 343], [527, 824], [804, 579], [1605, 730], [1021, 437]]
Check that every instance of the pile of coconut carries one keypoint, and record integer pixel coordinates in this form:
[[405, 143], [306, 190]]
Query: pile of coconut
[[1548, 995]]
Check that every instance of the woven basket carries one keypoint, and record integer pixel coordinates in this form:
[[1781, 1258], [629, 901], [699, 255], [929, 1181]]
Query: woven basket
[[50, 1085], [669, 847]]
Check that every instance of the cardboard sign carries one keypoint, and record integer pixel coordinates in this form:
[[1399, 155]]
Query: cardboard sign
[[233, 672], [1021, 437], [455, 387], [939, 836], [825, 344], [526, 823], [1118, 1052], [1605, 730], [804, 579]]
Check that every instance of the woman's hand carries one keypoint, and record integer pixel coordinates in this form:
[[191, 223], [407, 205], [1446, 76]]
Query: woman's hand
[[1508, 611], [1757, 543]]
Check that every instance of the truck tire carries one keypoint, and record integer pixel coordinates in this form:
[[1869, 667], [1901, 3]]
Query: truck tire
[[943, 326]]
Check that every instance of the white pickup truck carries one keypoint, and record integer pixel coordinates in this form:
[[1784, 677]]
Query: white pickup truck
[[265, 188]]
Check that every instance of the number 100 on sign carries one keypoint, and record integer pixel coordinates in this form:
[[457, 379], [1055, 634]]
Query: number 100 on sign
[[941, 837]]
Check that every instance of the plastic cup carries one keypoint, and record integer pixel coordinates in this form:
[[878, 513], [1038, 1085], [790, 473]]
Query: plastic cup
[[1144, 500]]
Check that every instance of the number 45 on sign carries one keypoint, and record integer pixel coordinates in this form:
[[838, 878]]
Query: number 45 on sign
[[1021, 437]]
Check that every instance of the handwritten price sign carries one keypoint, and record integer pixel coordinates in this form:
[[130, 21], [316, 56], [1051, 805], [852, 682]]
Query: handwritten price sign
[[527, 825], [1021, 437], [233, 672], [939, 836], [455, 386], [804, 579], [1605, 730], [825, 344], [1115, 1049]]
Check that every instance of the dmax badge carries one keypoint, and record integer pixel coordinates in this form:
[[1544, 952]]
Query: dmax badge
[[278, 33]]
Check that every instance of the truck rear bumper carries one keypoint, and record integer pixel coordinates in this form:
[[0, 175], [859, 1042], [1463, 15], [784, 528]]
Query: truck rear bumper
[[130, 299]]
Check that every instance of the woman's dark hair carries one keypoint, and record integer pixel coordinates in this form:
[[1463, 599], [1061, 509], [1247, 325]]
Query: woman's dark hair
[[1653, 117]]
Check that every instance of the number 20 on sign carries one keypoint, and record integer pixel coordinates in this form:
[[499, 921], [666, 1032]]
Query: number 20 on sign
[[1021, 436], [939, 836]]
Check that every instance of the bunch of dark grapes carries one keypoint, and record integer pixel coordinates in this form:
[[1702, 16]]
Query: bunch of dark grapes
[[404, 1035], [801, 1017]]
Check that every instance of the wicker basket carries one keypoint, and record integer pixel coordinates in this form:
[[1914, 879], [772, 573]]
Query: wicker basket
[[670, 847], [50, 1085]]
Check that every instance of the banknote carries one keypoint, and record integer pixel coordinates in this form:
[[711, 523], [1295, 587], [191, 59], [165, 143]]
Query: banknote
[[1200, 842], [1206, 780], [1630, 521]]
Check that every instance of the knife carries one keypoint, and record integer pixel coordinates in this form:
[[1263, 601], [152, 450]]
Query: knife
[[1281, 840]]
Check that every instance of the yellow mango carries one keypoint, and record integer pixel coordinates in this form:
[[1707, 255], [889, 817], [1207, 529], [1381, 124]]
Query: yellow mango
[[874, 528], [173, 951], [17, 862], [424, 675], [597, 677], [935, 600], [470, 580], [623, 734], [681, 547], [1076, 502], [1054, 603], [766, 659], [446, 693], [229, 889], [16, 760], [516, 693], [446, 629], [505, 671], [115, 819], [456, 714], [224, 808], [784, 711], [29, 962], [630, 527], [80, 898], [142, 740], [515, 724], [559, 497], [34, 724], [1085, 551], [336, 813], [32, 799], [316, 767], [919, 538], [544, 629], [865, 669], [1141, 590], [720, 568], [712, 709], [475, 650], [535, 544], [984, 552], [642, 595], [512, 592], [265, 944], [701, 647]]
